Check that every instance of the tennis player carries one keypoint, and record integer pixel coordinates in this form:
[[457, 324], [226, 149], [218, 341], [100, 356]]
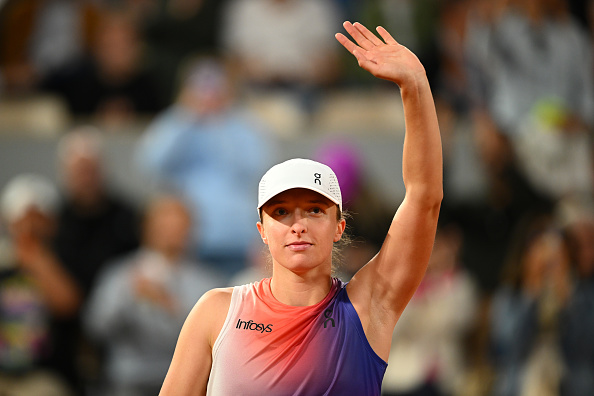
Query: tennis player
[[303, 332]]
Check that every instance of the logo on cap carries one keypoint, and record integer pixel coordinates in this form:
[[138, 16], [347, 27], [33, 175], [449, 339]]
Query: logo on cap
[[318, 178]]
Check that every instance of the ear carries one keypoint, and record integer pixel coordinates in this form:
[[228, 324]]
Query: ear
[[262, 232], [339, 230]]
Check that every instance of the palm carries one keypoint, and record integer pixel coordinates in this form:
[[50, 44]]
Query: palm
[[384, 59]]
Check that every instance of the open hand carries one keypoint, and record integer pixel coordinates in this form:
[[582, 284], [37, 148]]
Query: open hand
[[384, 59]]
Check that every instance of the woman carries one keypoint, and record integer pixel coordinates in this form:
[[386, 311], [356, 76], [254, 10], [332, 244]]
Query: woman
[[302, 332]]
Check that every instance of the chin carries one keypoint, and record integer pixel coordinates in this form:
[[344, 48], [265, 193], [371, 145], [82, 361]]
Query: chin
[[300, 264]]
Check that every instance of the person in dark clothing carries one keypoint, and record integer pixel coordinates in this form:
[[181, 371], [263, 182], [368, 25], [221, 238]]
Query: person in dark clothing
[[110, 84], [175, 30], [94, 226]]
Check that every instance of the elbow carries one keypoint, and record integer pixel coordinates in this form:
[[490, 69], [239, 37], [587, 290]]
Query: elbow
[[428, 197]]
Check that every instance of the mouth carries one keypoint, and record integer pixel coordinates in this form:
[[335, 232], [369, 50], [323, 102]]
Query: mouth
[[299, 246]]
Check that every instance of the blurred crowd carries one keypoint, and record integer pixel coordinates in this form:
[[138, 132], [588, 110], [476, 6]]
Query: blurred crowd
[[95, 286]]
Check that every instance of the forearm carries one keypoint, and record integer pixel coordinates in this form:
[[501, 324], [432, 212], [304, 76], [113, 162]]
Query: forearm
[[422, 168], [59, 290]]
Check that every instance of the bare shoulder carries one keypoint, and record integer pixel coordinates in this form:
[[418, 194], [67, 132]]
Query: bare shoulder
[[191, 363], [211, 310], [215, 298]]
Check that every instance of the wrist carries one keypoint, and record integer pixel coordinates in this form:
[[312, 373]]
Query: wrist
[[414, 81]]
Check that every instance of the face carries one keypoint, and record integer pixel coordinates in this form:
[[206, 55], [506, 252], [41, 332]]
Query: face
[[167, 227], [83, 177], [546, 257], [300, 226]]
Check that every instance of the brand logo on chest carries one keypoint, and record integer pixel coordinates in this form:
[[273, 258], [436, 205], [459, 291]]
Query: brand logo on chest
[[329, 321], [251, 325]]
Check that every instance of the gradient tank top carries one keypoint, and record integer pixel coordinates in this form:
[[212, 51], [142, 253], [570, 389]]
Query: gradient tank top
[[268, 348]]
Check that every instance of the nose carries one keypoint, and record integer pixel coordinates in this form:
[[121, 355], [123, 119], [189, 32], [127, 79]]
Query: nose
[[299, 223]]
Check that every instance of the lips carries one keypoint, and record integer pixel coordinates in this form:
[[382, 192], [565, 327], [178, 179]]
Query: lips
[[299, 246]]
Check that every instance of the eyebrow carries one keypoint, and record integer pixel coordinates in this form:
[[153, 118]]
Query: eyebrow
[[274, 202], [321, 201]]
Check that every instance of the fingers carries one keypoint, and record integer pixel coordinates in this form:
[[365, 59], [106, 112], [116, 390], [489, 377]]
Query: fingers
[[346, 43], [386, 36], [357, 34], [357, 51], [367, 34], [364, 63]]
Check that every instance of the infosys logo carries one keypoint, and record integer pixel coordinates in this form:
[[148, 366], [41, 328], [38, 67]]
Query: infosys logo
[[251, 325]]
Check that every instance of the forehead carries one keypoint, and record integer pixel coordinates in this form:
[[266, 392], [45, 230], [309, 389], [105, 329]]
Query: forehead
[[298, 195]]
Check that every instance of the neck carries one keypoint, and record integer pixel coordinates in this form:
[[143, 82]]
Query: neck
[[300, 290]]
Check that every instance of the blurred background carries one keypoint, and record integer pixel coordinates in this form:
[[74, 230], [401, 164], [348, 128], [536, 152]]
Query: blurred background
[[133, 134]]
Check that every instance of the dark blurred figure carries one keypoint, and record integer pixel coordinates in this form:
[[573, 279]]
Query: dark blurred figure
[[175, 30], [94, 226], [35, 290], [488, 222], [212, 150], [529, 313], [141, 300], [578, 322], [40, 37], [580, 10], [111, 84]]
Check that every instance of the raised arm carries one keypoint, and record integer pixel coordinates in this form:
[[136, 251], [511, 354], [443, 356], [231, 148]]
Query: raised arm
[[381, 290]]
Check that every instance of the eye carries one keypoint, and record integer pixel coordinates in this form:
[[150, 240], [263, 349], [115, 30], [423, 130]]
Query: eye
[[280, 212], [316, 210]]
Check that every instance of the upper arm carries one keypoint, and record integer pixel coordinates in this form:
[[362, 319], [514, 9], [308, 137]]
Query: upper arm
[[190, 367], [381, 289]]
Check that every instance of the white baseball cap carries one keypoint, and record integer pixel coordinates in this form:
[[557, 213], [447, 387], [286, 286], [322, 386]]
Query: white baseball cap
[[299, 173]]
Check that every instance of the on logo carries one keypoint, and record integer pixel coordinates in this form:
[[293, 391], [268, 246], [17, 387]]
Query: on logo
[[318, 178], [328, 316]]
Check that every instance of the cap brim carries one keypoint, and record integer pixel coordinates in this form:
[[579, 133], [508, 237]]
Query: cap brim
[[292, 186]]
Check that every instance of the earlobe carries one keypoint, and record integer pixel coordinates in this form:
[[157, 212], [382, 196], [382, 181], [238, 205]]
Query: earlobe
[[339, 230], [262, 234]]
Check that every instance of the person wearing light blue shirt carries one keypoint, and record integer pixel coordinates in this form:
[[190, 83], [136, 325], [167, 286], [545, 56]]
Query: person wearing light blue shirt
[[213, 152]]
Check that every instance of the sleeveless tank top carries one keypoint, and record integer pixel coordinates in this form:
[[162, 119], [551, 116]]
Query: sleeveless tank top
[[268, 348]]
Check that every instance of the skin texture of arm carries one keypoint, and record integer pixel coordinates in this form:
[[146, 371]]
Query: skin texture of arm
[[190, 367], [60, 292], [381, 289]]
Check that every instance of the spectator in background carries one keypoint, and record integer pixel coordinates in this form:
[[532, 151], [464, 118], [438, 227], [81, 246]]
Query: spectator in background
[[174, 30], [488, 221], [93, 226], [533, 63], [40, 37], [213, 151], [528, 313], [427, 357], [267, 39], [577, 325], [111, 84], [141, 301], [34, 289]]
